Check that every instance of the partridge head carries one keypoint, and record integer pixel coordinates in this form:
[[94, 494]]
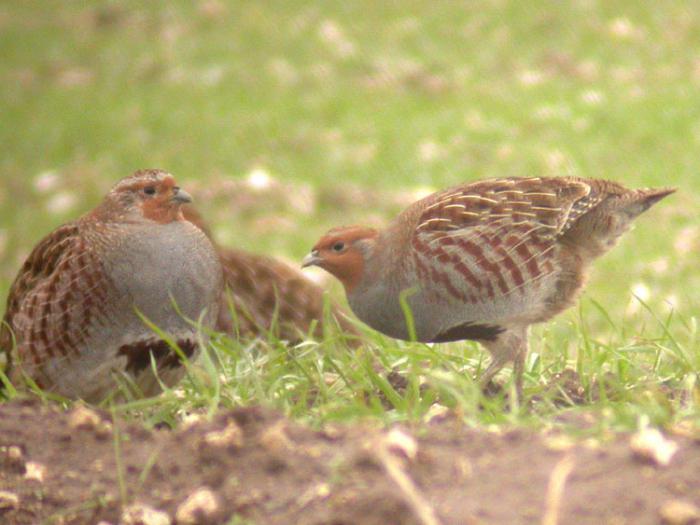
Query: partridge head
[[482, 261], [78, 313], [343, 252]]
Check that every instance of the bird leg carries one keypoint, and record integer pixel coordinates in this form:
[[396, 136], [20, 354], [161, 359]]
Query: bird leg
[[510, 345], [493, 369]]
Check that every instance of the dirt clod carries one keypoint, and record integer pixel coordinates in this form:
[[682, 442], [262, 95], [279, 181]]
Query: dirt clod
[[139, 514], [650, 444], [84, 418], [8, 500], [678, 512], [35, 471], [13, 453], [230, 436], [12, 457], [200, 507]]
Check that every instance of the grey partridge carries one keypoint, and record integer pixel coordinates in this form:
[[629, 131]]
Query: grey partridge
[[75, 317], [481, 261], [268, 296]]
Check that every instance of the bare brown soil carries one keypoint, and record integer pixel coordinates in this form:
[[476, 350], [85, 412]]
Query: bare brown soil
[[251, 465]]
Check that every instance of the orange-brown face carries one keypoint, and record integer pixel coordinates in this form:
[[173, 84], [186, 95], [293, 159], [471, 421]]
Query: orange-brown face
[[150, 194], [340, 253]]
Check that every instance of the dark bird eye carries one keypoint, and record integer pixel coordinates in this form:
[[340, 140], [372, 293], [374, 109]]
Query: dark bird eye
[[338, 246], [150, 190]]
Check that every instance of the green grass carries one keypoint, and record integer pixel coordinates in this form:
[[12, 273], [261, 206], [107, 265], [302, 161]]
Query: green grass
[[626, 376], [385, 97]]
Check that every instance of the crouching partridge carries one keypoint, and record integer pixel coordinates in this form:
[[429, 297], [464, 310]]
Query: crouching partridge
[[481, 261], [267, 296], [75, 313]]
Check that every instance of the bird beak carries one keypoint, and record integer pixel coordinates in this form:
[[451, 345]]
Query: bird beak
[[181, 196], [312, 259]]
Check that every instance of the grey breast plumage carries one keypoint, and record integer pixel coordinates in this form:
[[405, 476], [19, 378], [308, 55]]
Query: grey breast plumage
[[81, 307]]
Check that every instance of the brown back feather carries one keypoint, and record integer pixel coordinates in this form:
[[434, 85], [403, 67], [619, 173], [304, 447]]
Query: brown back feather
[[266, 293]]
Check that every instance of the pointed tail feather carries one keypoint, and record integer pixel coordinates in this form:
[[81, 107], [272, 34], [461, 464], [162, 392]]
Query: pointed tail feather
[[654, 195], [646, 198]]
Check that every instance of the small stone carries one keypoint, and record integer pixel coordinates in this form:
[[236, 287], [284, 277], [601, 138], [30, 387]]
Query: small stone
[[436, 412], [8, 500], [12, 455], [230, 436], [35, 471], [651, 445], [139, 514], [191, 420], [82, 417], [14, 452], [678, 512], [201, 506]]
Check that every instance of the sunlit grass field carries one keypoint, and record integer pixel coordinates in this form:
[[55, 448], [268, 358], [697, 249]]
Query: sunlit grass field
[[343, 112]]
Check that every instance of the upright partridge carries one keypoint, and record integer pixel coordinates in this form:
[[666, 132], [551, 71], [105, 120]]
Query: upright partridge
[[75, 313], [268, 296], [481, 261]]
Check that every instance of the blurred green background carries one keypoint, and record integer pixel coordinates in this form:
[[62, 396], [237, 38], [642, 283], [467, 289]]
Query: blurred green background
[[286, 118]]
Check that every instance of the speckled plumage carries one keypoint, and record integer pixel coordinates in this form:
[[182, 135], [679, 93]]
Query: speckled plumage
[[483, 260], [72, 321]]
